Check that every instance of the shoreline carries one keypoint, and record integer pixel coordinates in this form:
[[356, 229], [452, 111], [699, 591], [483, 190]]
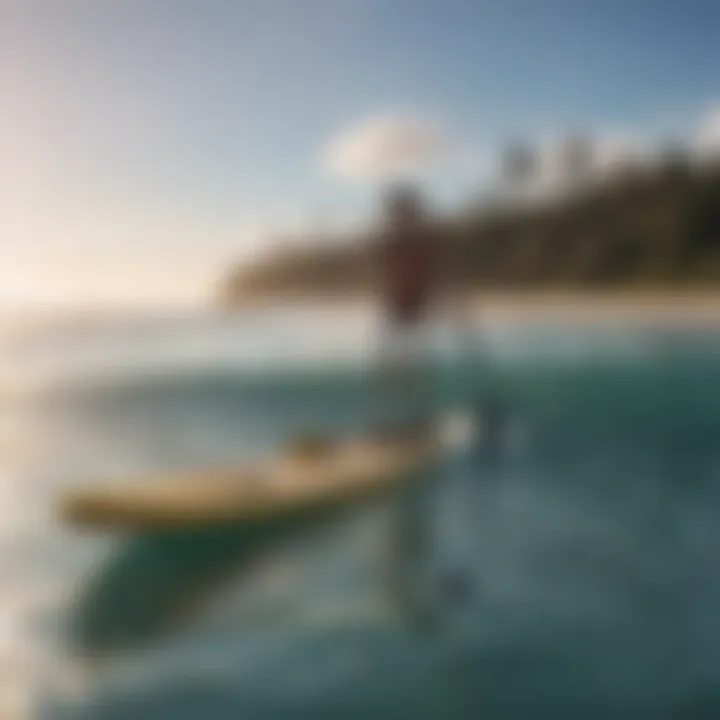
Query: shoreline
[[523, 307], [595, 307], [689, 307]]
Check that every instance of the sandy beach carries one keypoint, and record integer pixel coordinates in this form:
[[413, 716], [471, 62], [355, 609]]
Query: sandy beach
[[643, 307]]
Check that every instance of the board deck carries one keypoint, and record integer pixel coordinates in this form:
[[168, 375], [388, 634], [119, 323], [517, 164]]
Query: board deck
[[272, 488]]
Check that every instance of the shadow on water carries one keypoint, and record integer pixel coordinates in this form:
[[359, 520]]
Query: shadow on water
[[155, 582]]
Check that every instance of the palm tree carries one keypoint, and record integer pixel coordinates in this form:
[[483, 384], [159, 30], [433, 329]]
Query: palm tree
[[519, 164], [577, 156]]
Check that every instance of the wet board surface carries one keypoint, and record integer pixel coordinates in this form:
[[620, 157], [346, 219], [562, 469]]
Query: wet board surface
[[272, 488]]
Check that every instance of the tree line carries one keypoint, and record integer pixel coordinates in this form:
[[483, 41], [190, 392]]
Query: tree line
[[655, 226]]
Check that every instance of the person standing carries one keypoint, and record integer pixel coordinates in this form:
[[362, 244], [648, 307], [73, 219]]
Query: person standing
[[410, 273]]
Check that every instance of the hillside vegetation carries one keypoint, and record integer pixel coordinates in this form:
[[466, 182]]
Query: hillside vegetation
[[656, 228]]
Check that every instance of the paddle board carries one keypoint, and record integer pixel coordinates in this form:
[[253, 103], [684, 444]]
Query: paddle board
[[189, 534], [293, 482]]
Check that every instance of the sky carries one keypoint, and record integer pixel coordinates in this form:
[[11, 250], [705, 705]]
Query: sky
[[146, 145]]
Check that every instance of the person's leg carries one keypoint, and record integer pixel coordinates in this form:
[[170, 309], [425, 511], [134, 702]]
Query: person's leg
[[411, 547]]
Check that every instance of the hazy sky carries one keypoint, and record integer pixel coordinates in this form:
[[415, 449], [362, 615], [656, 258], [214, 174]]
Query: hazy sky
[[143, 143]]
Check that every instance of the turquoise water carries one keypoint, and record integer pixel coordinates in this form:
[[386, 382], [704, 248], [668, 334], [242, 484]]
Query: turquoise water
[[592, 542]]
